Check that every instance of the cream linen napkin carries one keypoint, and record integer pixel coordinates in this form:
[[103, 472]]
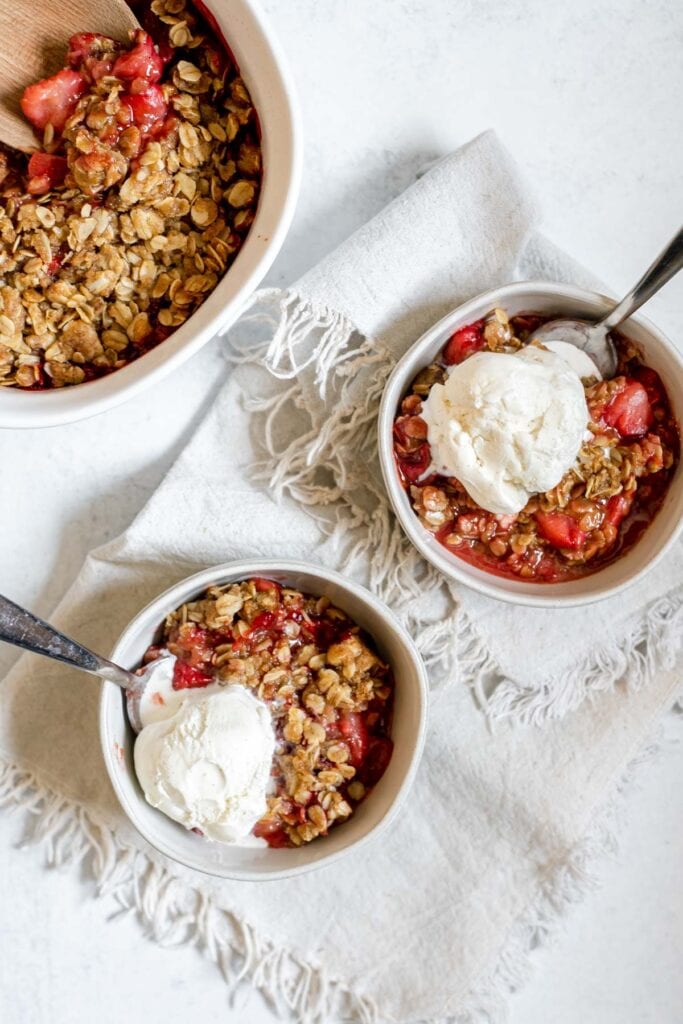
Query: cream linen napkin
[[437, 918]]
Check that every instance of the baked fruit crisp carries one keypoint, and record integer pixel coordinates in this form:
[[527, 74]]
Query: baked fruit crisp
[[138, 203], [600, 506], [328, 691]]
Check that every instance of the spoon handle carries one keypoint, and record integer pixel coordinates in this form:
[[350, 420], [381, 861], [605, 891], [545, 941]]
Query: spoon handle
[[668, 263], [21, 628]]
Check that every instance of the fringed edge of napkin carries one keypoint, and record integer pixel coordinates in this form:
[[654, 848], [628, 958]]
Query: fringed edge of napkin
[[175, 914], [312, 471], [650, 646]]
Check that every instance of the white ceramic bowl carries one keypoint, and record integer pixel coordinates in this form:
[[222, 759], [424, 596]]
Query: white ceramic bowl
[[372, 816], [265, 72], [561, 301]]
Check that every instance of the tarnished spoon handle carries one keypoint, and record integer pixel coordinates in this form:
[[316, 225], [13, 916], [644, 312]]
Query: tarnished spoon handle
[[668, 263], [21, 628]]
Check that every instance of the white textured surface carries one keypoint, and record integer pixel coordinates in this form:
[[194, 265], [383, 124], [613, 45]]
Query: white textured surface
[[586, 97]]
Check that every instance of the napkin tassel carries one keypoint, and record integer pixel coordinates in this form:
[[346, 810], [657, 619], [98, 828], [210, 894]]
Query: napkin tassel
[[174, 913]]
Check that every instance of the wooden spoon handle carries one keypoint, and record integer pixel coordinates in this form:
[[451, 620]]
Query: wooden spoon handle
[[33, 45]]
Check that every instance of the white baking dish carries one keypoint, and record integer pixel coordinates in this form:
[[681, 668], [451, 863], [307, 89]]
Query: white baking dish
[[373, 815], [556, 300], [265, 72]]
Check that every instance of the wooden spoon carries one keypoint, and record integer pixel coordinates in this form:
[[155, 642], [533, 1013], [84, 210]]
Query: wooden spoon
[[33, 44]]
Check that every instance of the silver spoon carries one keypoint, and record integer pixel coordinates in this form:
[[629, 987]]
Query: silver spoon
[[594, 338], [21, 628]]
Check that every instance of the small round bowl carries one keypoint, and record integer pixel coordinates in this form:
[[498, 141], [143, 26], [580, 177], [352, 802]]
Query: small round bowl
[[557, 300], [264, 69], [373, 815]]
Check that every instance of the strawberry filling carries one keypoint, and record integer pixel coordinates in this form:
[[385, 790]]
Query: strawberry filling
[[352, 727], [618, 507], [629, 411], [353, 746], [142, 62], [186, 677], [560, 530], [53, 100], [45, 172], [589, 518], [465, 342], [148, 108], [376, 760], [92, 54], [411, 448], [95, 118]]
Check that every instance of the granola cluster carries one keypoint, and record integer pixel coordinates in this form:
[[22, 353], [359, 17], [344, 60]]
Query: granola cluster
[[329, 693], [122, 227], [599, 507]]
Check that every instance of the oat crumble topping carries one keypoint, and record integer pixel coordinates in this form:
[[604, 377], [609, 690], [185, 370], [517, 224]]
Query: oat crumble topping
[[599, 508], [141, 200], [328, 690]]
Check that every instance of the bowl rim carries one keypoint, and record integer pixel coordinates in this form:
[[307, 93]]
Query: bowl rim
[[542, 597], [196, 583], [277, 203]]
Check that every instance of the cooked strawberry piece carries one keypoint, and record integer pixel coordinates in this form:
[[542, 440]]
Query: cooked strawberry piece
[[273, 833], [45, 172], [195, 643], [560, 530], [353, 729], [148, 108], [142, 61], [416, 427], [92, 54], [82, 45], [629, 411], [266, 622], [618, 507], [322, 632], [465, 342], [376, 760], [415, 464], [52, 100], [263, 585], [186, 677]]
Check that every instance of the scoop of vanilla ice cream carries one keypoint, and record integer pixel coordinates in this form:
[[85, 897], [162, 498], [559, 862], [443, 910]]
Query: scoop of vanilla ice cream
[[208, 764], [506, 425]]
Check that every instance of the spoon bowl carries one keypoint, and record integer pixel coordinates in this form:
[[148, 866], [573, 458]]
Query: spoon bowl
[[593, 338]]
